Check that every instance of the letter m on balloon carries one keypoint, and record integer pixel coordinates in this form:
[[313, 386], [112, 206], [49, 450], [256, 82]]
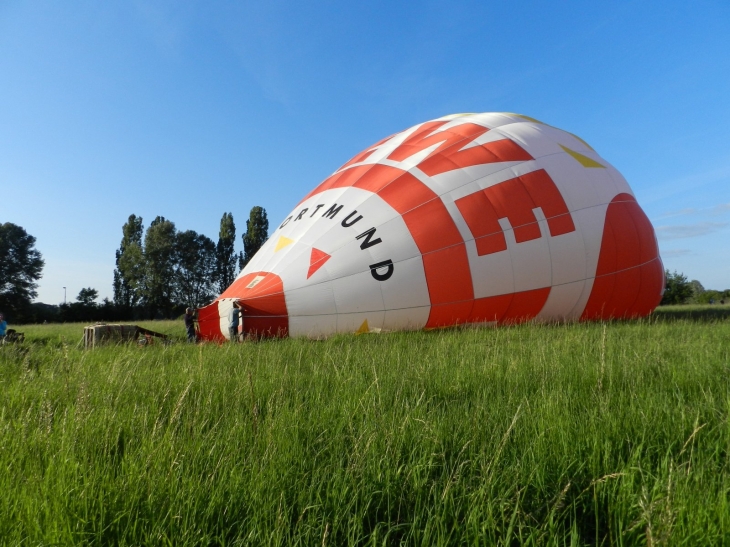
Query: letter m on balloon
[[515, 200]]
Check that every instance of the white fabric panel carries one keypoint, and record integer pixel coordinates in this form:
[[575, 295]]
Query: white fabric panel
[[224, 306], [530, 259], [530, 137], [357, 293], [313, 326], [567, 256], [561, 302], [580, 305], [495, 119], [407, 288], [590, 224], [621, 185], [406, 319], [572, 179], [605, 187], [491, 274], [318, 299], [396, 245]]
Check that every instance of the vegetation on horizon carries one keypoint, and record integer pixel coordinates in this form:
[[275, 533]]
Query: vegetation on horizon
[[581, 434]]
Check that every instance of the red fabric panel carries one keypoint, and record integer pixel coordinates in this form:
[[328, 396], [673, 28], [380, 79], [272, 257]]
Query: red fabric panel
[[432, 227], [448, 275], [560, 225], [607, 257], [628, 245], [600, 299], [209, 323], [625, 292], [629, 275], [451, 140], [512, 201], [481, 218], [527, 232], [546, 195], [264, 305], [652, 282], [404, 193], [648, 249], [525, 305], [447, 315], [491, 152], [491, 308]]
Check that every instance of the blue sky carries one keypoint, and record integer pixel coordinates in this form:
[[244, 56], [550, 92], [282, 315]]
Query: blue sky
[[191, 109]]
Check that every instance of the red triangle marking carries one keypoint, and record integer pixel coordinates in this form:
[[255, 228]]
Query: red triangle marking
[[316, 261]]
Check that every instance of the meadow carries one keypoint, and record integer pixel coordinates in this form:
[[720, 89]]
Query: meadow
[[578, 434]]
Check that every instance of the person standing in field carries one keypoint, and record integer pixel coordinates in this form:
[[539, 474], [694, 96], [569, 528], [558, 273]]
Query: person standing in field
[[190, 324], [3, 327], [234, 316]]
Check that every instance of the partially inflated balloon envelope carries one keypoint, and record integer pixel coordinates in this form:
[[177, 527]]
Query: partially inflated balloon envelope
[[471, 218]]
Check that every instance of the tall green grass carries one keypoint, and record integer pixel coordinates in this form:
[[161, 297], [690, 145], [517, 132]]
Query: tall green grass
[[609, 434]]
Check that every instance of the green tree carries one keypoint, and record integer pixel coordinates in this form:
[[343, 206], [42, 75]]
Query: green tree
[[195, 269], [257, 232], [20, 267], [697, 290], [677, 289], [225, 256], [130, 271], [87, 296], [159, 266]]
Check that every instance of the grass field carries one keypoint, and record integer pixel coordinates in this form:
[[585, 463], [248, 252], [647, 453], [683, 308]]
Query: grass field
[[582, 434]]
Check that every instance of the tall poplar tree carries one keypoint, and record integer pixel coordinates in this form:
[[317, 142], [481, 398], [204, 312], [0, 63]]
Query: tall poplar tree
[[225, 256], [257, 232], [130, 271], [160, 258]]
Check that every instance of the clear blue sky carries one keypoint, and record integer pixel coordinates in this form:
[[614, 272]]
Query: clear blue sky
[[191, 109]]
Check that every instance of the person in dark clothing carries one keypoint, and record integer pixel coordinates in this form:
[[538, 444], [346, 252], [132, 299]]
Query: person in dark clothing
[[190, 324], [234, 316]]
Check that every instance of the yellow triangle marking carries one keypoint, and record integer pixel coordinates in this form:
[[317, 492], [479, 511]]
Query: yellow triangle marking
[[585, 161], [528, 118], [283, 242], [364, 328], [579, 139]]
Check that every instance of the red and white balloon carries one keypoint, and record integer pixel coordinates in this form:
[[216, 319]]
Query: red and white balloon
[[476, 218]]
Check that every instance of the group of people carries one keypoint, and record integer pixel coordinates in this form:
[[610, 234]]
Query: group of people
[[235, 318]]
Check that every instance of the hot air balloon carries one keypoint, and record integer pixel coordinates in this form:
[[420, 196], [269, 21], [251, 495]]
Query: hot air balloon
[[490, 218]]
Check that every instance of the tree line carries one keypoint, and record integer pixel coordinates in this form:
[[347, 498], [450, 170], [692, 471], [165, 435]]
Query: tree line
[[159, 271], [680, 290]]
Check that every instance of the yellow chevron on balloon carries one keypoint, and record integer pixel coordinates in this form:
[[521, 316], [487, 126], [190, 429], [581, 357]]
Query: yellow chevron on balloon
[[283, 242], [364, 328], [585, 161], [528, 118]]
